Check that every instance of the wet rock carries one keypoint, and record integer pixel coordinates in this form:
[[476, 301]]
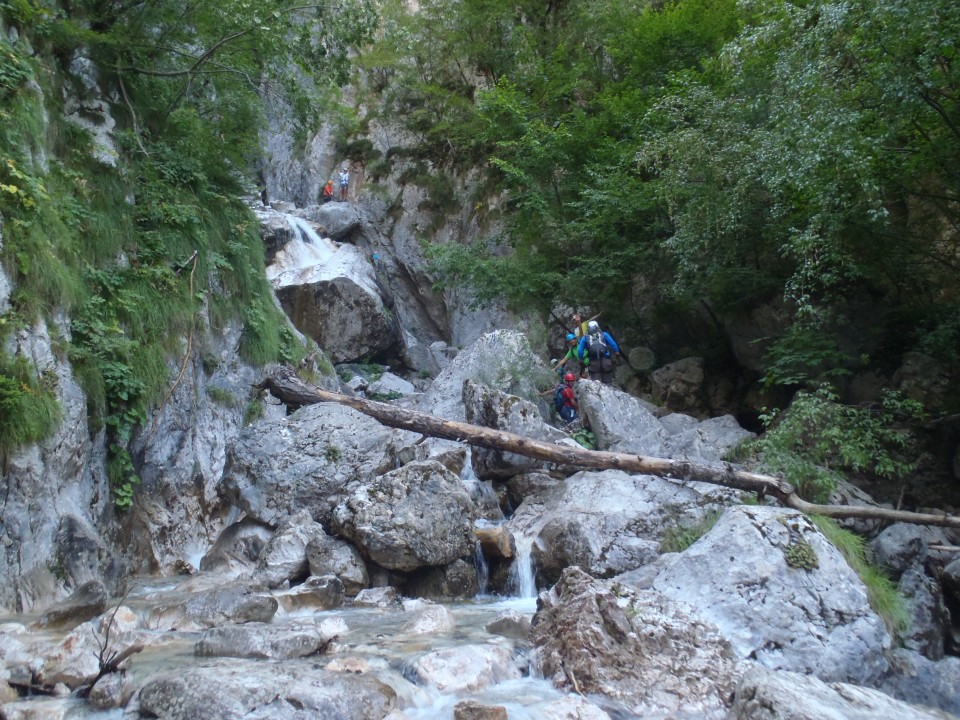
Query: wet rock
[[467, 668], [416, 516], [270, 641], [39, 709], [427, 618], [509, 623], [323, 592], [765, 694], [238, 547], [227, 605], [111, 691], [284, 558], [473, 710], [261, 691], [455, 581], [645, 652], [89, 600], [331, 556], [381, 597], [781, 594]]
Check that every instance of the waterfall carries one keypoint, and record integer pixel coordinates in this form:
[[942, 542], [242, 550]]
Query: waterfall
[[483, 570], [522, 576]]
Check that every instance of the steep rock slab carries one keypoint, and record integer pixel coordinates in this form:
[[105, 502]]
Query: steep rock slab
[[608, 522], [250, 689], [501, 359], [55, 494], [781, 594], [309, 460], [634, 648], [331, 294], [416, 516]]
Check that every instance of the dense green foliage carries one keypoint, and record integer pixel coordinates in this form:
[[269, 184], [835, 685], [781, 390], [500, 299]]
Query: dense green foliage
[[818, 440], [682, 164], [655, 156], [150, 245]]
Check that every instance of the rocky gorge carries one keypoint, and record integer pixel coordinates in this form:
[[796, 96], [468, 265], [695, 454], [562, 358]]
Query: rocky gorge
[[318, 564], [275, 561]]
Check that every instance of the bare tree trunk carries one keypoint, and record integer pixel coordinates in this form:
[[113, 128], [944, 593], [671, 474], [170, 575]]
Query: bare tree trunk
[[295, 394]]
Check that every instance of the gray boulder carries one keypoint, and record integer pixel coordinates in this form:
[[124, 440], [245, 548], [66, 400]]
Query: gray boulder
[[331, 556], [919, 681], [765, 694], [88, 601], [323, 592], [782, 594], [259, 690], [608, 522], [331, 294], [238, 547], [645, 652], [264, 641], [284, 559], [416, 516], [309, 460], [929, 621], [679, 385], [235, 603], [492, 408]]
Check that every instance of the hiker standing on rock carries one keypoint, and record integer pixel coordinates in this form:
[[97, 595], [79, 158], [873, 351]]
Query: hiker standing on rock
[[344, 182], [597, 349]]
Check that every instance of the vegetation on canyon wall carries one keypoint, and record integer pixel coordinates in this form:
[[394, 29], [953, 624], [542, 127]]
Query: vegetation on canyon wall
[[148, 244], [683, 164], [667, 162]]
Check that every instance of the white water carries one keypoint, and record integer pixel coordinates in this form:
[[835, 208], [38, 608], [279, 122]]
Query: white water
[[522, 575], [309, 258]]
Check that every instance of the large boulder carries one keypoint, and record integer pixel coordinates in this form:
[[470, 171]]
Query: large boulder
[[416, 516], [608, 522], [235, 603], [782, 594], [501, 359], [284, 559], [644, 652], [623, 423], [327, 555], [492, 408], [331, 294], [309, 460]]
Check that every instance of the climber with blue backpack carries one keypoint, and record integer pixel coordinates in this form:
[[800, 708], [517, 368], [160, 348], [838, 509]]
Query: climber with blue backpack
[[596, 351], [564, 398]]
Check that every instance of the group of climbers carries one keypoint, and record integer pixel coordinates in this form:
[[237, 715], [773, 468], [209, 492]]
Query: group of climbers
[[593, 350]]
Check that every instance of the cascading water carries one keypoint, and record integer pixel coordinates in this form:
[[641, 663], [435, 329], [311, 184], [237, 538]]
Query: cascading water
[[483, 569], [522, 575]]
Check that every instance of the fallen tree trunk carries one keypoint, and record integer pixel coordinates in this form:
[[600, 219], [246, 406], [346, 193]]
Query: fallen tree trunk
[[294, 393]]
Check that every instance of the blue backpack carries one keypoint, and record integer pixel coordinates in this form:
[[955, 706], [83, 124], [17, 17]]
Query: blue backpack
[[558, 399]]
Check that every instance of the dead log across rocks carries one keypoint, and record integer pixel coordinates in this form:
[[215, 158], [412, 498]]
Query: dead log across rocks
[[294, 393]]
